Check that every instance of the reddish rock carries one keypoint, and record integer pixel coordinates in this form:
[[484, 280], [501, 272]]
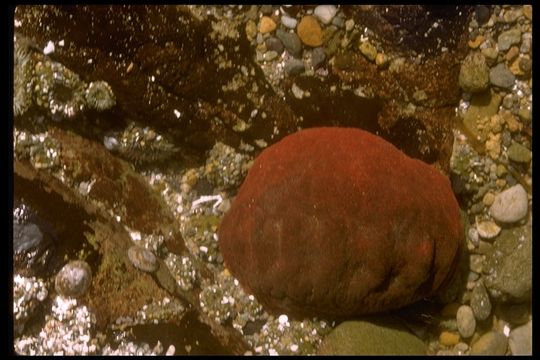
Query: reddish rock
[[337, 222]]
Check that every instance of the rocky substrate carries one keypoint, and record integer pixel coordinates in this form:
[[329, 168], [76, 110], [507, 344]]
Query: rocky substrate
[[160, 173]]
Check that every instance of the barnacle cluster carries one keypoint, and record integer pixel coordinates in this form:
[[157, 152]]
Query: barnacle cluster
[[23, 70], [225, 168], [40, 149], [225, 301], [201, 238], [28, 293], [183, 270], [99, 96], [141, 145], [58, 89], [52, 86]]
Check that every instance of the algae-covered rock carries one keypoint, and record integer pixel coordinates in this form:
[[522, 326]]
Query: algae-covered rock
[[373, 336]]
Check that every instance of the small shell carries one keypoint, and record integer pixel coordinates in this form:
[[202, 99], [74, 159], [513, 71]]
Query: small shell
[[143, 259], [74, 279]]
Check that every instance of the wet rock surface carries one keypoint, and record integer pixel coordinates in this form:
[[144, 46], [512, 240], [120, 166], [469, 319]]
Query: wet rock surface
[[287, 255]]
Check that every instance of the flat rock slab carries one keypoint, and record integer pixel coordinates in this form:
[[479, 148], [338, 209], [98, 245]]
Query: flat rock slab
[[337, 222]]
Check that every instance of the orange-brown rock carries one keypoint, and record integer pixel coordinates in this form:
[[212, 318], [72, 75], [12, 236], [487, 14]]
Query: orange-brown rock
[[337, 222], [309, 31]]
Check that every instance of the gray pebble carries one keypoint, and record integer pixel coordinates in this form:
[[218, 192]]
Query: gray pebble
[[317, 57], [274, 44], [521, 340], [466, 322], [294, 67], [502, 77], [25, 237], [508, 38], [511, 205], [491, 343], [291, 42], [480, 302], [325, 13], [289, 22]]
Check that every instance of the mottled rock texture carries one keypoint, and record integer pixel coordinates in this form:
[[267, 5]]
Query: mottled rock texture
[[337, 222]]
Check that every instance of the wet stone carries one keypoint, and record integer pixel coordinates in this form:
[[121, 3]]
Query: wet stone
[[26, 237], [270, 55], [511, 205], [474, 73], [289, 22], [317, 57], [309, 31], [480, 302], [516, 314], [448, 338], [274, 44], [483, 105], [520, 340], [466, 322], [482, 14], [74, 279], [143, 259], [290, 41], [381, 336], [266, 25], [519, 153], [491, 343], [502, 77], [508, 266], [368, 50], [325, 13], [508, 38], [294, 67]]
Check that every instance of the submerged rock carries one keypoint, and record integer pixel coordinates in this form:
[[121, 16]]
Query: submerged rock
[[338, 222], [74, 279], [381, 336]]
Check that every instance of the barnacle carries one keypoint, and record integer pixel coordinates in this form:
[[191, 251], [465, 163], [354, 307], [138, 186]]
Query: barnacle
[[142, 145]]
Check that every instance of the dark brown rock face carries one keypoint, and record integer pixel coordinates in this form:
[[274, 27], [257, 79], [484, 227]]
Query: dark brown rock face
[[337, 222]]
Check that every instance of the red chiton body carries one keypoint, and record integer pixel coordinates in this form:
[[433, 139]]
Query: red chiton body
[[337, 222]]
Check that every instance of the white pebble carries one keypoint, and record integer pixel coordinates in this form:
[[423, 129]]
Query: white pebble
[[510, 205], [288, 21], [170, 351], [49, 49], [294, 347], [283, 319], [325, 13]]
